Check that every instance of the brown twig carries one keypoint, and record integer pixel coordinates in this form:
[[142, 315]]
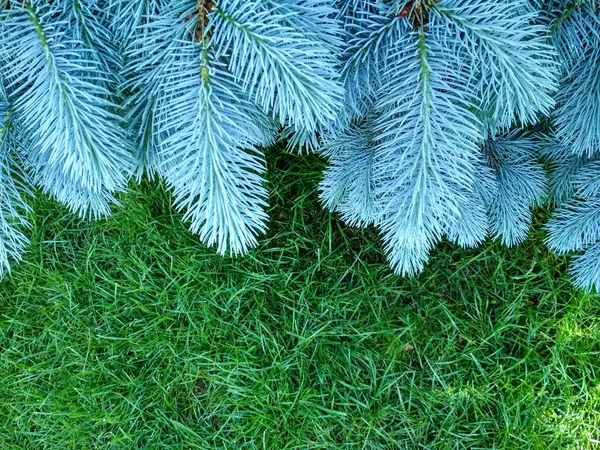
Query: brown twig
[[417, 11], [203, 9]]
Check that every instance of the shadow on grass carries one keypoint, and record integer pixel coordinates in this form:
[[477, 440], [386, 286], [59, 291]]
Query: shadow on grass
[[127, 333]]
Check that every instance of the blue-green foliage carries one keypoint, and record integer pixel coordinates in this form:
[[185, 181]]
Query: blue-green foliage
[[428, 112], [58, 87], [13, 187], [436, 87], [191, 91], [574, 146]]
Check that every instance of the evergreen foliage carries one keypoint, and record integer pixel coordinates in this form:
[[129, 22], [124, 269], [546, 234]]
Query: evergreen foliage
[[574, 145], [447, 81], [428, 111], [191, 91]]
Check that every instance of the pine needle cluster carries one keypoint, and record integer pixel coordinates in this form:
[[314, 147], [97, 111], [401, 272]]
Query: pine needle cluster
[[435, 115]]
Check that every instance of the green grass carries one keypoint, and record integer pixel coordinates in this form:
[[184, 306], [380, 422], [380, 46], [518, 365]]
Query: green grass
[[127, 333]]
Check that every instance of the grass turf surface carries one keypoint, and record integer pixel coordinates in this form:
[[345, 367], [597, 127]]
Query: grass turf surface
[[128, 334]]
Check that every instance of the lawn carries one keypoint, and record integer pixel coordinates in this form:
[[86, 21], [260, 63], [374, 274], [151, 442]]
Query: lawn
[[127, 333]]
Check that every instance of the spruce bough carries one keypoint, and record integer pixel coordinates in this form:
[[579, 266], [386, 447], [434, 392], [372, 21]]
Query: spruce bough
[[436, 116]]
